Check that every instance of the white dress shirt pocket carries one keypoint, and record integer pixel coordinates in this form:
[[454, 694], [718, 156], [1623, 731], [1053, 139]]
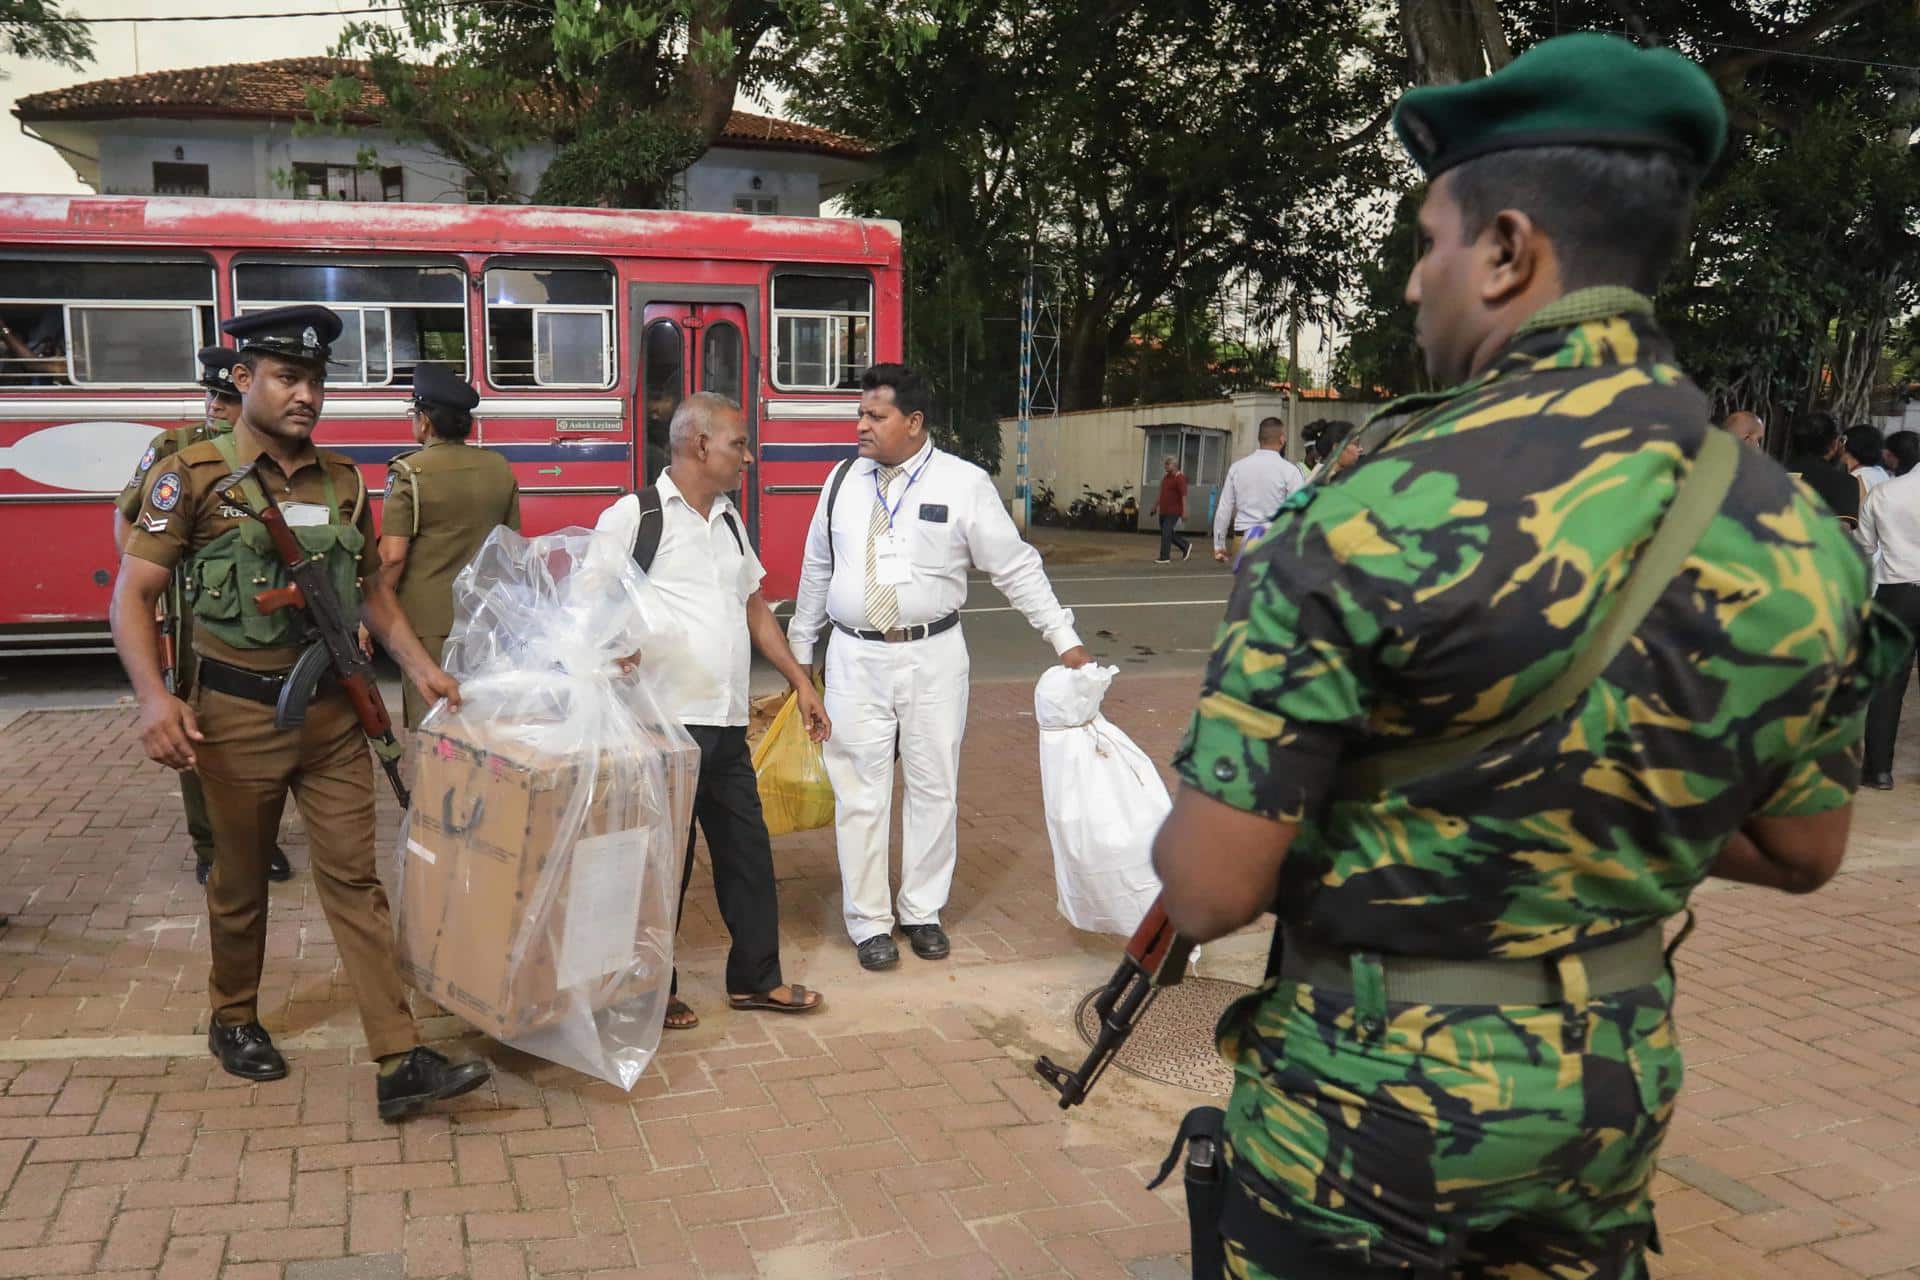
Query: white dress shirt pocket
[[934, 542]]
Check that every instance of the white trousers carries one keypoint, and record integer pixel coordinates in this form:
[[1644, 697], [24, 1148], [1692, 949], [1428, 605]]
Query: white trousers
[[914, 692]]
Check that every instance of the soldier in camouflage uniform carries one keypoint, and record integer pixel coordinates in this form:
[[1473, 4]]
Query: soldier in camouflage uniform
[[1467, 1060], [223, 410]]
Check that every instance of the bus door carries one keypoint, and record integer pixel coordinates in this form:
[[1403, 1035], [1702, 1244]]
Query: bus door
[[687, 346]]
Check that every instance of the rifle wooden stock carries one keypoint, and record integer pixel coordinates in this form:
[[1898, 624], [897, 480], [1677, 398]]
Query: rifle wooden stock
[[1155, 958]]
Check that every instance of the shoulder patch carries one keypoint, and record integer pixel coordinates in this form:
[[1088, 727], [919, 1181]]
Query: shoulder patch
[[147, 459], [166, 492]]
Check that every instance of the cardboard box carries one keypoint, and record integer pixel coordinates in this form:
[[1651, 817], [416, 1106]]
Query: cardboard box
[[503, 920]]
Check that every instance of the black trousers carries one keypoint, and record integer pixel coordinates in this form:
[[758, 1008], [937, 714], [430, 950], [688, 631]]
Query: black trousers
[[726, 805], [1170, 536], [1902, 600]]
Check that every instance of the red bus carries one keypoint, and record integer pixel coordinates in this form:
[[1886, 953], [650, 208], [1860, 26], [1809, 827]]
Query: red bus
[[581, 329]]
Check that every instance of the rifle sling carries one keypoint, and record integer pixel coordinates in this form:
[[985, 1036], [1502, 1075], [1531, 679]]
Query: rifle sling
[[1696, 501]]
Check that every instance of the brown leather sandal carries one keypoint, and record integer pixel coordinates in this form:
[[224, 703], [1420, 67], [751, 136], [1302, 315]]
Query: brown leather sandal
[[799, 1000], [678, 1008]]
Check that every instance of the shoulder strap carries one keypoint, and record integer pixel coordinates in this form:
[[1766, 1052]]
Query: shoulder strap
[[1695, 503], [647, 544], [733, 528], [833, 496], [230, 451]]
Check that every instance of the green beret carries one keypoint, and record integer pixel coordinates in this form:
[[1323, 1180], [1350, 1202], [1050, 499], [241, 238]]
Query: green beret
[[1588, 90]]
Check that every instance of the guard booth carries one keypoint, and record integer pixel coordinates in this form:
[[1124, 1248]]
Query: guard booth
[[1203, 456]]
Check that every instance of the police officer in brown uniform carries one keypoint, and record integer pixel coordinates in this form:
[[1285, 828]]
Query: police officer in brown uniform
[[442, 502], [222, 410], [227, 730]]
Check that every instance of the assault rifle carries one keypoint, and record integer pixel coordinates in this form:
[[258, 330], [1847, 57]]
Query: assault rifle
[[166, 620], [1155, 959], [332, 644]]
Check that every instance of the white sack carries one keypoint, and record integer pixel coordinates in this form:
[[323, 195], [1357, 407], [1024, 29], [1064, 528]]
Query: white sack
[[1104, 800]]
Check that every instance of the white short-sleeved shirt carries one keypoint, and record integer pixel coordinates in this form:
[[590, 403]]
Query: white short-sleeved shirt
[[705, 579]]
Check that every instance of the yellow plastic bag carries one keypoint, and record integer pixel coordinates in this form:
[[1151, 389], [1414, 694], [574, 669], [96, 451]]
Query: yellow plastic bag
[[795, 794]]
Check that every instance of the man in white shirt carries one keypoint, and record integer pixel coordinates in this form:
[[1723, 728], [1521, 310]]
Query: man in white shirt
[[1256, 486], [1890, 533], [706, 574], [886, 566]]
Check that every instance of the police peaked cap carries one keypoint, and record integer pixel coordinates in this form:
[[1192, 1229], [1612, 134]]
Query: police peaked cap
[[305, 332], [216, 370], [435, 384], [1582, 90]]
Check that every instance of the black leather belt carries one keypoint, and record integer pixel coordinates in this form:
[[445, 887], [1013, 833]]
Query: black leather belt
[[254, 686], [899, 635]]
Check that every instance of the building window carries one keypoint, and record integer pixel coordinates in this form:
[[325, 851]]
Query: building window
[[172, 179], [477, 191], [756, 204], [550, 326], [397, 316], [822, 331], [346, 182]]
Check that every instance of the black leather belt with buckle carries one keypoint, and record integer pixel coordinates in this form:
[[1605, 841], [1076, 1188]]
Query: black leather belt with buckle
[[900, 635], [254, 686]]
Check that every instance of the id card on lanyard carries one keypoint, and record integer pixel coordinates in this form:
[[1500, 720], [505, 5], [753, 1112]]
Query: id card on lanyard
[[891, 565]]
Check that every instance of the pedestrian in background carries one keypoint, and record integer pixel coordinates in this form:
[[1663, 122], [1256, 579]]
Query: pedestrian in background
[[1816, 447], [1890, 534], [886, 567], [709, 579], [1256, 486], [222, 407], [1903, 452], [1171, 507], [1747, 428]]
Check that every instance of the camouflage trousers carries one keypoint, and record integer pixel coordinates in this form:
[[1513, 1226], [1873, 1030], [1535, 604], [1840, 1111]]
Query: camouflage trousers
[[1372, 1140]]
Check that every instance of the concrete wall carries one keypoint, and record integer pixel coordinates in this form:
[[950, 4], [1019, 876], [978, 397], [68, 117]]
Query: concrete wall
[[1106, 448]]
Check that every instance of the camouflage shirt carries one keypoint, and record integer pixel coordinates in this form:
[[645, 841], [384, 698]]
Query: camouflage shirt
[[1452, 574]]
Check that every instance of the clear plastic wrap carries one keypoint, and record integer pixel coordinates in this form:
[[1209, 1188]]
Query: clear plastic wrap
[[539, 866]]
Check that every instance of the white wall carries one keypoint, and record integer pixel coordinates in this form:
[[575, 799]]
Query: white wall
[[1106, 448], [712, 182], [127, 160]]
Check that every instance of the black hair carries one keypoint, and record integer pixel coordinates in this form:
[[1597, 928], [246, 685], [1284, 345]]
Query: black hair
[[445, 421], [1866, 446], [911, 394], [1814, 433], [1271, 428], [1905, 448], [1615, 216]]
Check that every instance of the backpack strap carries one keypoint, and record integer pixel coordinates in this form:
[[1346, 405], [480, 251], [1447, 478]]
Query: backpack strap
[[733, 527], [1696, 501], [833, 496], [646, 544]]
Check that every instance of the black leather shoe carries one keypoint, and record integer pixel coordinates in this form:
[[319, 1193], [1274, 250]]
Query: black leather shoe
[[426, 1077], [1879, 781], [201, 871], [279, 870], [929, 941], [878, 953], [246, 1051]]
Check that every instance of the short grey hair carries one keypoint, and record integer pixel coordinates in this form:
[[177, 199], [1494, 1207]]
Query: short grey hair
[[694, 418]]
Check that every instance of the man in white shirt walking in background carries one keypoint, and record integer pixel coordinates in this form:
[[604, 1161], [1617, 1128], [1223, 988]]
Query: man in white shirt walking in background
[[1256, 486], [886, 566], [696, 557], [1890, 533]]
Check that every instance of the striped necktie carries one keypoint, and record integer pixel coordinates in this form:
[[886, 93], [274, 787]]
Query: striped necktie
[[883, 603]]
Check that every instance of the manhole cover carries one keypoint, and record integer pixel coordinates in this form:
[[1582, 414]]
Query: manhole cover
[[1173, 1041]]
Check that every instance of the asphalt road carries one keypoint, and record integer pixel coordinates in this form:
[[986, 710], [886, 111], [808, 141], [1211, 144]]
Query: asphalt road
[[1133, 614]]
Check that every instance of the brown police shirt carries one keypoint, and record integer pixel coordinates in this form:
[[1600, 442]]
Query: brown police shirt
[[184, 510], [446, 498]]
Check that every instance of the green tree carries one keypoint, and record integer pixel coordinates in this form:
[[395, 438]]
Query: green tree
[[1143, 153], [35, 29]]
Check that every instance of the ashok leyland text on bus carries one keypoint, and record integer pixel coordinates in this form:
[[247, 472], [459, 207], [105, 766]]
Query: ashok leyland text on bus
[[582, 329]]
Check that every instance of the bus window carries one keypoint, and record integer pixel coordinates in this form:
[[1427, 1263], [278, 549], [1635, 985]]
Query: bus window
[[822, 331], [666, 358], [550, 326], [394, 316], [720, 361], [102, 322]]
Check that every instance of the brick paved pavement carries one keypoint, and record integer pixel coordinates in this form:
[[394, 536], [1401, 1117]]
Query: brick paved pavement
[[896, 1133]]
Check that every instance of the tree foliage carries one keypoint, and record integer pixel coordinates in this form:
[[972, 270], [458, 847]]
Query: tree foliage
[[38, 30]]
